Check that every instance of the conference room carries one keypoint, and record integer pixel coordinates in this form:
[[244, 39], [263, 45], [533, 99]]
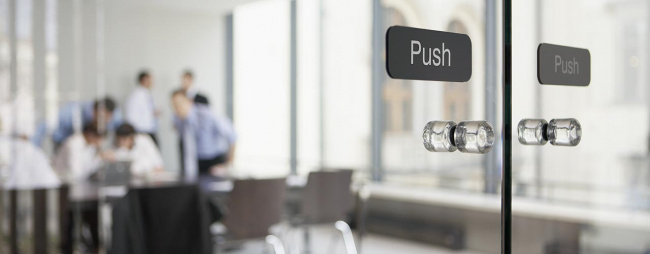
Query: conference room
[[278, 126]]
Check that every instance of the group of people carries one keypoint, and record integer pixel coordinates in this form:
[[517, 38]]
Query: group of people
[[80, 147], [207, 140]]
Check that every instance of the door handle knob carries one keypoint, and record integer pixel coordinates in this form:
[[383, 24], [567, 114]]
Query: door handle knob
[[438, 136], [560, 132], [466, 136], [532, 131], [564, 132], [474, 137]]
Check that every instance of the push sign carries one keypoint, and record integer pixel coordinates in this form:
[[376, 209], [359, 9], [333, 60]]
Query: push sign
[[420, 54], [560, 65]]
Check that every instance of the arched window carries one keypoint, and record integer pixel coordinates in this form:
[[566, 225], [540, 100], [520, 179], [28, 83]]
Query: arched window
[[397, 95], [457, 104]]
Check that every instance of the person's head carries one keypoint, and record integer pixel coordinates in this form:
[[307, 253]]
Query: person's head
[[182, 105], [92, 134], [144, 79], [125, 136], [187, 80], [104, 107]]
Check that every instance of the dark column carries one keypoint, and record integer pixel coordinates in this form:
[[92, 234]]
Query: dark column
[[39, 197], [506, 181]]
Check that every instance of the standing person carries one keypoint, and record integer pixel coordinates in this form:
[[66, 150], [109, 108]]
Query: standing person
[[208, 140], [102, 111], [141, 111], [192, 92]]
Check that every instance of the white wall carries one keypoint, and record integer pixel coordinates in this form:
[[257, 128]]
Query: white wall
[[163, 41]]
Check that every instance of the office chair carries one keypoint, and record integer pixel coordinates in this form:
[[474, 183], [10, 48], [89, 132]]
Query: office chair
[[253, 207], [326, 199]]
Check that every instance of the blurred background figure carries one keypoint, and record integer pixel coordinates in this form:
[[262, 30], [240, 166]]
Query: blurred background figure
[[80, 155], [101, 111], [29, 167], [208, 139], [192, 92], [140, 149], [141, 110]]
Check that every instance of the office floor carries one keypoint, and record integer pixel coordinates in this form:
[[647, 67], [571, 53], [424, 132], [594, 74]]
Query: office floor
[[328, 241]]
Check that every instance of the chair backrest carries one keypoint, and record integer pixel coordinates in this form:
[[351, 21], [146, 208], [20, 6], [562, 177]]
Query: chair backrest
[[254, 206], [327, 196]]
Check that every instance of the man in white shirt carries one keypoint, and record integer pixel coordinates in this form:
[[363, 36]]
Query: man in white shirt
[[139, 149], [78, 158], [141, 111], [80, 155], [29, 167]]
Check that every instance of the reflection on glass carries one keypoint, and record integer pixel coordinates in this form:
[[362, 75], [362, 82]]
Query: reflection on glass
[[602, 183]]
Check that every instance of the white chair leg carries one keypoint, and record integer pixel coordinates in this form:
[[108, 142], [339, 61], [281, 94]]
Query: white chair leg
[[274, 241], [348, 239]]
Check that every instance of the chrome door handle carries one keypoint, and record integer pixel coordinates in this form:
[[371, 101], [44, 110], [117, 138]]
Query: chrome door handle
[[560, 132], [466, 136], [438, 136]]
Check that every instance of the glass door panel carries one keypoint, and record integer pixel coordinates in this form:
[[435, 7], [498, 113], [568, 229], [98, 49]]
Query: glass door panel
[[592, 197]]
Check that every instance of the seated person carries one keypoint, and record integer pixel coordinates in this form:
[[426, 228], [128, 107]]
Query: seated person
[[29, 166], [138, 148], [78, 158], [208, 140], [80, 155]]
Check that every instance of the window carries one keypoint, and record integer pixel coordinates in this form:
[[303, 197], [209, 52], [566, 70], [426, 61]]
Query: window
[[632, 90], [397, 94], [261, 87], [457, 97]]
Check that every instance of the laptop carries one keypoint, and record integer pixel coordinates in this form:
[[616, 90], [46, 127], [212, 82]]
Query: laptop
[[116, 173]]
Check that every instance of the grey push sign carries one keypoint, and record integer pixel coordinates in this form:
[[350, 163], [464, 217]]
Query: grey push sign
[[560, 65], [420, 54]]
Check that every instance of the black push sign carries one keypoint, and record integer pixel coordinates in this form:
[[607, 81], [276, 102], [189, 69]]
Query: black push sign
[[420, 54], [560, 65]]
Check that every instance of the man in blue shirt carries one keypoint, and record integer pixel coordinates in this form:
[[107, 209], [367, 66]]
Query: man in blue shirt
[[208, 140], [89, 112]]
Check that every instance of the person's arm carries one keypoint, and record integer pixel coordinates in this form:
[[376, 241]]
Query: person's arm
[[178, 123], [64, 127], [231, 154], [94, 162], [60, 162], [150, 154], [227, 130], [39, 134]]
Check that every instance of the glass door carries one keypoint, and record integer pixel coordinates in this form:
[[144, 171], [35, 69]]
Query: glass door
[[579, 153]]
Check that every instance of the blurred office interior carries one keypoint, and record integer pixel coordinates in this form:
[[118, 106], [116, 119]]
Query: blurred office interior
[[303, 83]]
